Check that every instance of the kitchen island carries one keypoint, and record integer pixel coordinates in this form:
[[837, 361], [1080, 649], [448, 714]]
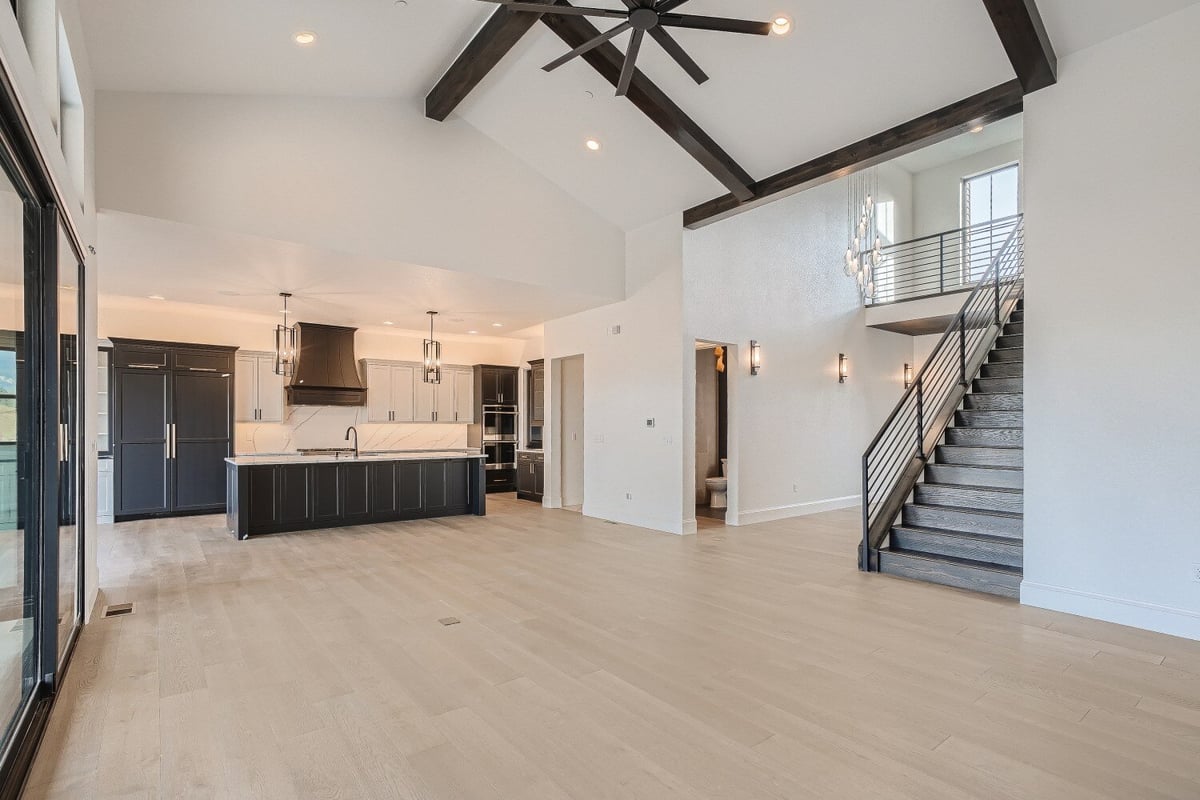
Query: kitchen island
[[280, 493]]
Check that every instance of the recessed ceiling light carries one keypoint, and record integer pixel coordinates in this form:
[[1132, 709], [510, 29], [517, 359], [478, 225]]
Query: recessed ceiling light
[[592, 144], [388, 322], [304, 38], [473, 333], [977, 129], [156, 297], [497, 324], [781, 25]]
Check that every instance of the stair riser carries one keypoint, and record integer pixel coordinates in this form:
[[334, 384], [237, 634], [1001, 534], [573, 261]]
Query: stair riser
[[975, 476], [1007, 385], [985, 437], [1014, 329], [954, 520], [1008, 554], [981, 456], [969, 497], [1017, 316], [1006, 370], [994, 402], [1007, 355], [989, 419], [1006, 340], [962, 577]]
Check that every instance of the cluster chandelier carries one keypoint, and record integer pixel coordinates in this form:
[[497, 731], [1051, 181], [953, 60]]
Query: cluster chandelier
[[285, 343], [433, 355], [865, 251]]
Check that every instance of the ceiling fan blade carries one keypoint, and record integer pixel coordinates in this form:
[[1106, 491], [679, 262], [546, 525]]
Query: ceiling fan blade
[[635, 44], [667, 5], [668, 43], [545, 8], [586, 46], [715, 24]]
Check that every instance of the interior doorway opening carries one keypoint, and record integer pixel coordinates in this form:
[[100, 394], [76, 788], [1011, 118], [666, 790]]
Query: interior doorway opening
[[712, 430], [570, 431]]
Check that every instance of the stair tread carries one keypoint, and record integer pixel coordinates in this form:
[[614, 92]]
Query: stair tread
[[979, 537], [960, 562], [973, 487], [987, 512], [998, 467], [983, 446]]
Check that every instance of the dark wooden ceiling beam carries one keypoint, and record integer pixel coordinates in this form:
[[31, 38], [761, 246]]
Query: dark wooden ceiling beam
[[994, 104], [498, 35], [654, 103], [1024, 37]]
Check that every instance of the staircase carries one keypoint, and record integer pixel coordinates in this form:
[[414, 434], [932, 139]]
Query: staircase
[[963, 526]]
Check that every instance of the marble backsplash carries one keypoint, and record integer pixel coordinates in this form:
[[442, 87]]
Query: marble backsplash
[[325, 426]]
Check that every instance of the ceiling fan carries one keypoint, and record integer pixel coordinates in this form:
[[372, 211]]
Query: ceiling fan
[[642, 17]]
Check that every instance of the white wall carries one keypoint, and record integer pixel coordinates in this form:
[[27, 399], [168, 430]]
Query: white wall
[[1112, 459], [774, 274], [368, 177], [632, 473], [937, 192]]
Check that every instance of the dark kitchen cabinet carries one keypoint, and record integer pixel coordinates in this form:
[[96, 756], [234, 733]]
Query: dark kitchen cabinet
[[265, 498], [531, 483], [326, 492], [172, 427], [356, 493], [495, 386]]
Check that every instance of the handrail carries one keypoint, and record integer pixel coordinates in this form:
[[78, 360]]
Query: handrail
[[940, 263], [896, 457]]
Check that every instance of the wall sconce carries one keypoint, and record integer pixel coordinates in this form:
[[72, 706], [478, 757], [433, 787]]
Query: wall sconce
[[908, 376], [755, 357], [843, 368]]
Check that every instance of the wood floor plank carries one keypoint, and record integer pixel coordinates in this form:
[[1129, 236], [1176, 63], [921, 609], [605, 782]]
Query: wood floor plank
[[595, 661]]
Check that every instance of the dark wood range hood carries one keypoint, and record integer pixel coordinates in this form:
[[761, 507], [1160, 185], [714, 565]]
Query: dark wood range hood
[[326, 371]]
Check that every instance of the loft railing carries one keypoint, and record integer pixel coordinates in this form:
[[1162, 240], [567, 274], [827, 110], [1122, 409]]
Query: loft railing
[[896, 458], [943, 263]]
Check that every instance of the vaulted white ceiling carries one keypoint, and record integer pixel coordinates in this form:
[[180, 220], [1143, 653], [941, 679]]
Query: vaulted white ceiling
[[847, 70]]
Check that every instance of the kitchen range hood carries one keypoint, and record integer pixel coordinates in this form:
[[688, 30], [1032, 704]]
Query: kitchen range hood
[[326, 372]]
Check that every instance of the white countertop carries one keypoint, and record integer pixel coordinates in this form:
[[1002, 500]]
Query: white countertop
[[406, 455]]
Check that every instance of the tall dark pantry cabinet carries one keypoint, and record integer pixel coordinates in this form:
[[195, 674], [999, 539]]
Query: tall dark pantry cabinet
[[172, 427]]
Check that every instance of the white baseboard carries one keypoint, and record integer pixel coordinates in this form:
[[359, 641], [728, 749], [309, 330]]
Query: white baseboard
[[689, 527], [1134, 613], [797, 510]]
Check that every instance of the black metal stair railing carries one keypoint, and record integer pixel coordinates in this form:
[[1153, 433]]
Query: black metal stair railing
[[895, 459], [943, 263]]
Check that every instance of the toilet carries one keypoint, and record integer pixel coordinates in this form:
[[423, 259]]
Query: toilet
[[718, 488]]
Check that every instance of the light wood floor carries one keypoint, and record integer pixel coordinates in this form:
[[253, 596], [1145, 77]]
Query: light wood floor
[[596, 661]]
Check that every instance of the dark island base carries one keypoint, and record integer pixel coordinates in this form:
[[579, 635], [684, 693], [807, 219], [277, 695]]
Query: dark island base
[[279, 498]]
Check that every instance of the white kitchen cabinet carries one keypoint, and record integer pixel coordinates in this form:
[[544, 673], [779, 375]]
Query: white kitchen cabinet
[[464, 395], [104, 491], [389, 391], [258, 390]]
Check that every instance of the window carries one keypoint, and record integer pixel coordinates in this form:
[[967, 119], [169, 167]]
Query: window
[[989, 202]]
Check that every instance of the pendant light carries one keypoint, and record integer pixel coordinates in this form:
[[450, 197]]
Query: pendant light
[[433, 354], [285, 343]]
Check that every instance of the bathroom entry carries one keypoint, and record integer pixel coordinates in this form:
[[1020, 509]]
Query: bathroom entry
[[712, 430]]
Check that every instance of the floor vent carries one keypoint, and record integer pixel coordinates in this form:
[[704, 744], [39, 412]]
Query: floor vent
[[450, 621], [118, 610]]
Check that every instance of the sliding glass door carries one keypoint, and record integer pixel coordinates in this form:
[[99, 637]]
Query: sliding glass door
[[69, 415], [20, 567]]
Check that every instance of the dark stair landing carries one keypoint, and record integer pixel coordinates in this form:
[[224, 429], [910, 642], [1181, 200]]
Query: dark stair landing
[[964, 526]]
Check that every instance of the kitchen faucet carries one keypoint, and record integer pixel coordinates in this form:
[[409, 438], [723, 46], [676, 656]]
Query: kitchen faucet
[[349, 431]]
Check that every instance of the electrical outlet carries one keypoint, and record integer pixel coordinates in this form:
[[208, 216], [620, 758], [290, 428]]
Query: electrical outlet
[[795, 488], [629, 495], [1196, 572], [650, 423]]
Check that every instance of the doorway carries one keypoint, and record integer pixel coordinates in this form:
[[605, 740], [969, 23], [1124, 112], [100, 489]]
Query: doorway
[[712, 430], [571, 431]]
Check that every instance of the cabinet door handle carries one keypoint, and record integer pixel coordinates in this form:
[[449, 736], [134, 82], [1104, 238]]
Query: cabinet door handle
[[145, 366], [202, 369]]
